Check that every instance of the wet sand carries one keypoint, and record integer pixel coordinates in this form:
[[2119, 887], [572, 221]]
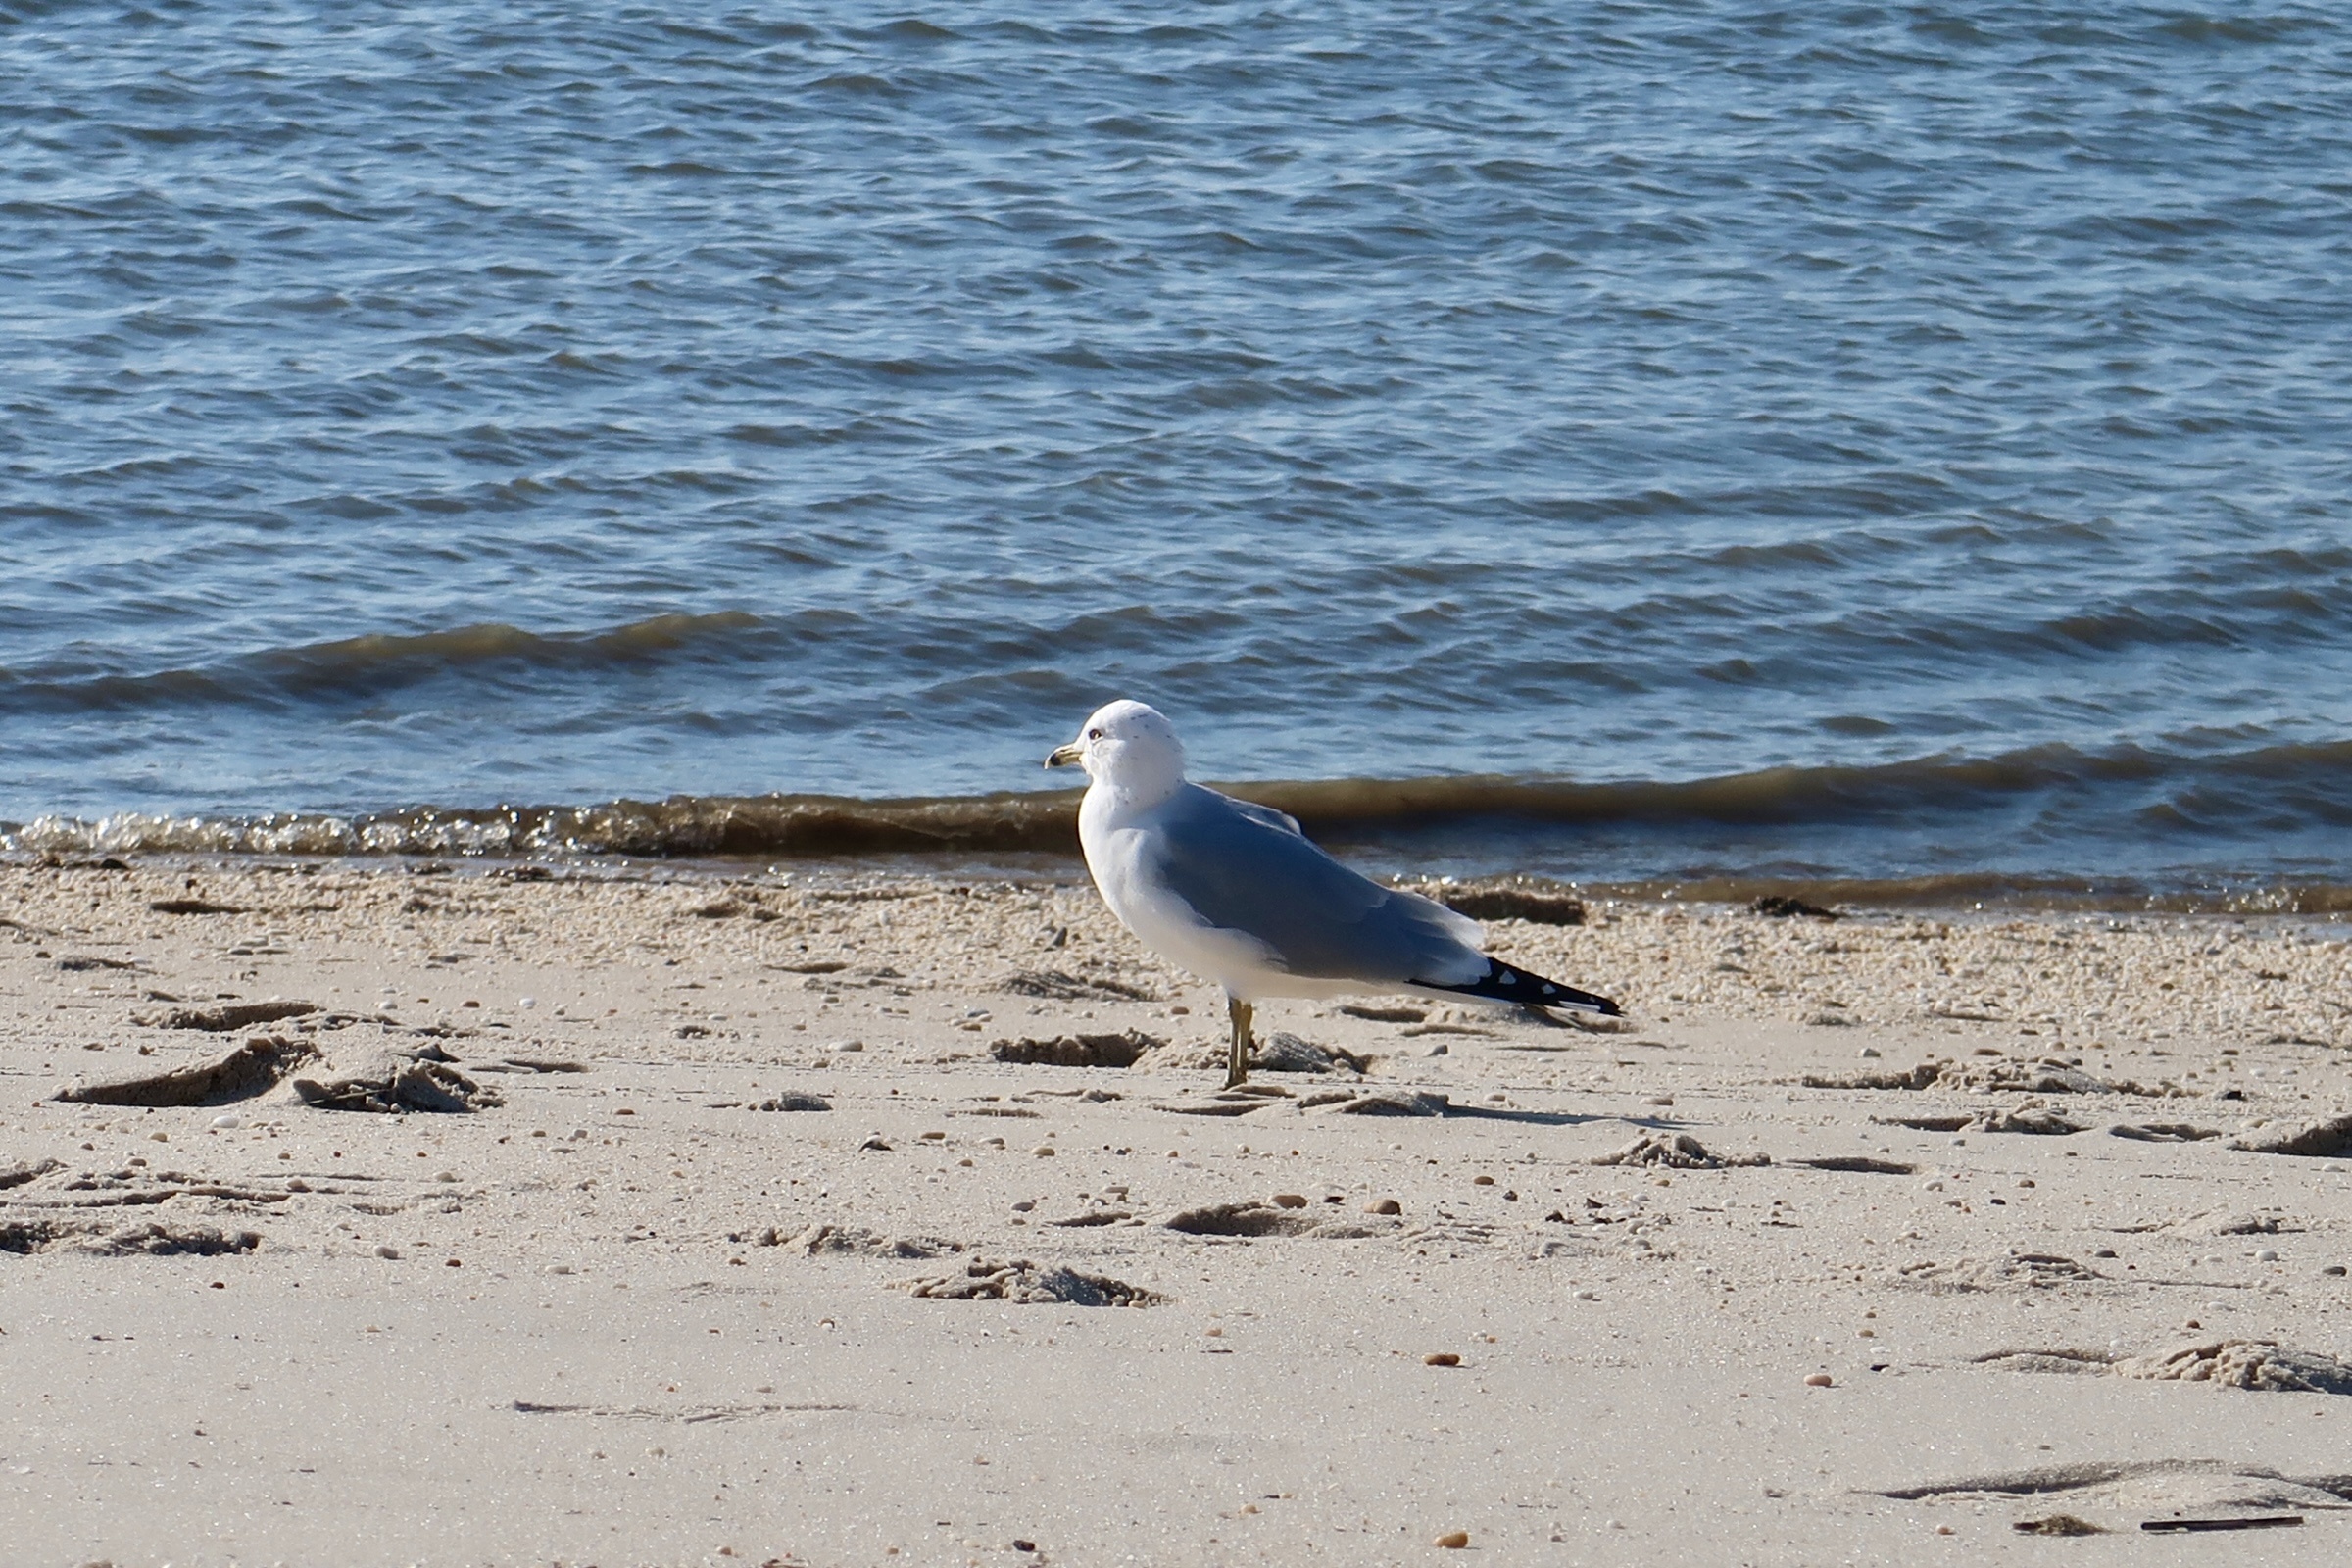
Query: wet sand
[[628, 1314]]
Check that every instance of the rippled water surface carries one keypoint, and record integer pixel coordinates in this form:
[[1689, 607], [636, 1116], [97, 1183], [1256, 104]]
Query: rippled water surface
[[461, 403]]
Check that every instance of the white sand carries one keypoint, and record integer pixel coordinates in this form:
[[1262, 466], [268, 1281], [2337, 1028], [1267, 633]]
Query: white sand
[[621, 1368]]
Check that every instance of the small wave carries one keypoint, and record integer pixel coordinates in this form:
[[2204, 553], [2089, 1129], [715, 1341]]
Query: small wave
[[1828, 795], [491, 640], [379, 662], [2222, 30], [682, 827], [2280, 789]]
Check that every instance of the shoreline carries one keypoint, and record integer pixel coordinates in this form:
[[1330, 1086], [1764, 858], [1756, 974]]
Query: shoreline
[[1723, 1282], [1948, 895], [2041, 825]]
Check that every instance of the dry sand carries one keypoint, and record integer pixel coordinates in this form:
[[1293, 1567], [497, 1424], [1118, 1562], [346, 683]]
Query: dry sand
[[975, 1311]]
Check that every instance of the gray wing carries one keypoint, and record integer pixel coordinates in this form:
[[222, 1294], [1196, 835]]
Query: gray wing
[[1261, 814], [1241, 872]]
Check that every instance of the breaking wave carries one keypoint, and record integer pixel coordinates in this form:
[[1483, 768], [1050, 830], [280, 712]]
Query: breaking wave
[[2199, 805]]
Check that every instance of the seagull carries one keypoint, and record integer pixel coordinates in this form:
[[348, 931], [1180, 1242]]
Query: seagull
[[1235, 893]]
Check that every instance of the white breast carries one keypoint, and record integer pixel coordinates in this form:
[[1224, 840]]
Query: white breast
[[1115, 857]]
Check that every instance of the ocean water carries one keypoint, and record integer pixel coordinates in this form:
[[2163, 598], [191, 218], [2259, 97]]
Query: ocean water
[[1662, 442]]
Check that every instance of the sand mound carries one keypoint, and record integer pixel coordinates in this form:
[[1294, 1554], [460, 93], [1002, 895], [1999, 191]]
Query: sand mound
[[1057, 986], [138, 1187], [1277, 1052], [396, 1080], [2163, 1132], [1678, 1150], [28, 1171], [1255, 1219], [2237, 1222], [2015, 1271], [2328, 1139], [148, 1237], [855, 1241], [2031, 1117], [1077, 1050], [1989, 1075], [1026, 1284], [228, 1016], [526, 1064], [2260, 1365], [2058, 1524], [1282, 1051], [1393, 1102], [2142, 1485], [252, 1069], [1859, 1164]]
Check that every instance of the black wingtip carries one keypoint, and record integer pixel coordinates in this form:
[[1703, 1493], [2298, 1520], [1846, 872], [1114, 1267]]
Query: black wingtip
[[1504, 983]]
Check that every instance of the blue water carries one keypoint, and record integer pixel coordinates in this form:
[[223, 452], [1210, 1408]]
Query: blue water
[[460, 402]]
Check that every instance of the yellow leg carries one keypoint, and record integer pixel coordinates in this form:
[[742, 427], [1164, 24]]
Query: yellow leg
[[1236, 1067]]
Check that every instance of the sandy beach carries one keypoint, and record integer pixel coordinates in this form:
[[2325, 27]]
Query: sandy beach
[[648, 1217]]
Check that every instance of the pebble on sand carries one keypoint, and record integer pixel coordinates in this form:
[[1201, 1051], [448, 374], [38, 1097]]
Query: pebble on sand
[[1386, 1206], [1441, 1359], [1452, 1540], [1819, 1380]]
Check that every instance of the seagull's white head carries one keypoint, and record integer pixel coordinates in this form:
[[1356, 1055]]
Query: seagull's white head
[[1128, 746]]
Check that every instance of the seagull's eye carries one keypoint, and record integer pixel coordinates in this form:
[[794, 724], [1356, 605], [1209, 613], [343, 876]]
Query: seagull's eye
[[1093, 734]]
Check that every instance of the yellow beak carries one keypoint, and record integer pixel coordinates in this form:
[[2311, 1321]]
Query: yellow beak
[[1066, 755]]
